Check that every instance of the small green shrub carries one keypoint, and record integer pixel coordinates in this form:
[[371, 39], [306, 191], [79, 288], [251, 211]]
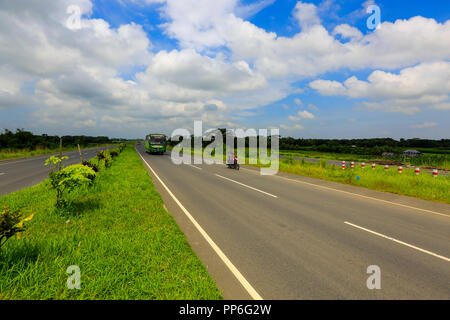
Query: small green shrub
[[113, 154], [100, 156], [67, 179], [91, 165], [11, 223]]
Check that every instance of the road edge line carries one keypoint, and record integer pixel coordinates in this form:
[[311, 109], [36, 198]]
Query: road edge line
[[248, 287]]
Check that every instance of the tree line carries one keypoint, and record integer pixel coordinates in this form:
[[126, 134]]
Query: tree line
[[374, 146], [22, 139]]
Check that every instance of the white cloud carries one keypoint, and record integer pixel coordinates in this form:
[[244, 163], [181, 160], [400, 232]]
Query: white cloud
[[305, 115], [298, 102], [222, 60], [424, 86], [424, 125], [306, 14]]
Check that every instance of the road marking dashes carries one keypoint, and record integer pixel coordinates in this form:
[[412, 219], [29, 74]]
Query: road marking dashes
[[400, 242], [269, 194], [190, 165]]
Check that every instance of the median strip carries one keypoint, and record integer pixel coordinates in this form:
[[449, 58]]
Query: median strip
[[266, 193], [400, 242]]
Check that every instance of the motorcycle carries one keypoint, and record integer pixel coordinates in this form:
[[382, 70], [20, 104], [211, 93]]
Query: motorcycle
[[234, 165]]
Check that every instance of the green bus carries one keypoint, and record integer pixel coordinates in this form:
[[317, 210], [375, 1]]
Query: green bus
[[156, 143]]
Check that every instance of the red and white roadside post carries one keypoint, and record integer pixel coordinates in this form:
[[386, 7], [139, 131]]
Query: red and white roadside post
[[373, 165], [343, 165], [417, 171], [386, 167], [363, 165], [353, 165], [400, 170], [435, 173]]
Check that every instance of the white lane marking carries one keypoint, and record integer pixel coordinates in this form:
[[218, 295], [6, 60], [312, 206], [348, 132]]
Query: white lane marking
[[1, 173], [367, 197], [269, 194], [190, 165], [398, 241], [216, 248]]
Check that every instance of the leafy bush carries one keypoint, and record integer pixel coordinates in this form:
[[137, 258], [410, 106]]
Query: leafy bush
[[113, 154], [93, 167], [100, 156], [107, 161], [67, 179], [11, 223]]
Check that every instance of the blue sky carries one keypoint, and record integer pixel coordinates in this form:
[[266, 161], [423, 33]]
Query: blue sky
[[310, 68]]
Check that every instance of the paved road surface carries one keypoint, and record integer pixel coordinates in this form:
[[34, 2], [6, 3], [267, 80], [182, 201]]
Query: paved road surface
[[18, 174], [292, 237]]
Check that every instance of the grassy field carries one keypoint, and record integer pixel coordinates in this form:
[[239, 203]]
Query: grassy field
[[424, 186], [428, 159], [6, 154], [117, 231]]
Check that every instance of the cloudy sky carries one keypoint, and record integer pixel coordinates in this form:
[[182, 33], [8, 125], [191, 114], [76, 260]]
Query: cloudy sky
[[310, 68]]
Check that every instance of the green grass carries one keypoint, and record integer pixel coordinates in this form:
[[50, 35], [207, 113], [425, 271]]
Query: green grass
[[428, 159], [125, 243], [424, 186], [6, 154]]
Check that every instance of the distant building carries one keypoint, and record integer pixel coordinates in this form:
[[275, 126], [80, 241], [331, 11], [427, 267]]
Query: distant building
[[387, 154], [412, 153]]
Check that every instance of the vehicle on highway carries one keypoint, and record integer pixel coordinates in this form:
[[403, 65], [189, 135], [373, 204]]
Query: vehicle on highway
[[232, 161], [156, 143]]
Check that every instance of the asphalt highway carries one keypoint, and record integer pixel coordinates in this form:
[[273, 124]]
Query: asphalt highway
[[18, 174], [290, 237]]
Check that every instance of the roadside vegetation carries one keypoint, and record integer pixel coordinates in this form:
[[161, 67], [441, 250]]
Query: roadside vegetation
[[7, 154], [423, 186], [23, 143], [115, 229]]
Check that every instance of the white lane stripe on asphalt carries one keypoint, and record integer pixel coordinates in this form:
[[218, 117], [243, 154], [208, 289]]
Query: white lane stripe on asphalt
[[190, 165], [400, 242], [367, 197], [252, 292], [1, 173], [269, 194]]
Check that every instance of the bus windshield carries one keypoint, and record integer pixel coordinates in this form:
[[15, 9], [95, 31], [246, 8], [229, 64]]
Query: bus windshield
[[158, 139]]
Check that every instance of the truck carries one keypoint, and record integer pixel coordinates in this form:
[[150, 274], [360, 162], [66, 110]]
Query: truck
[[156, 143]]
